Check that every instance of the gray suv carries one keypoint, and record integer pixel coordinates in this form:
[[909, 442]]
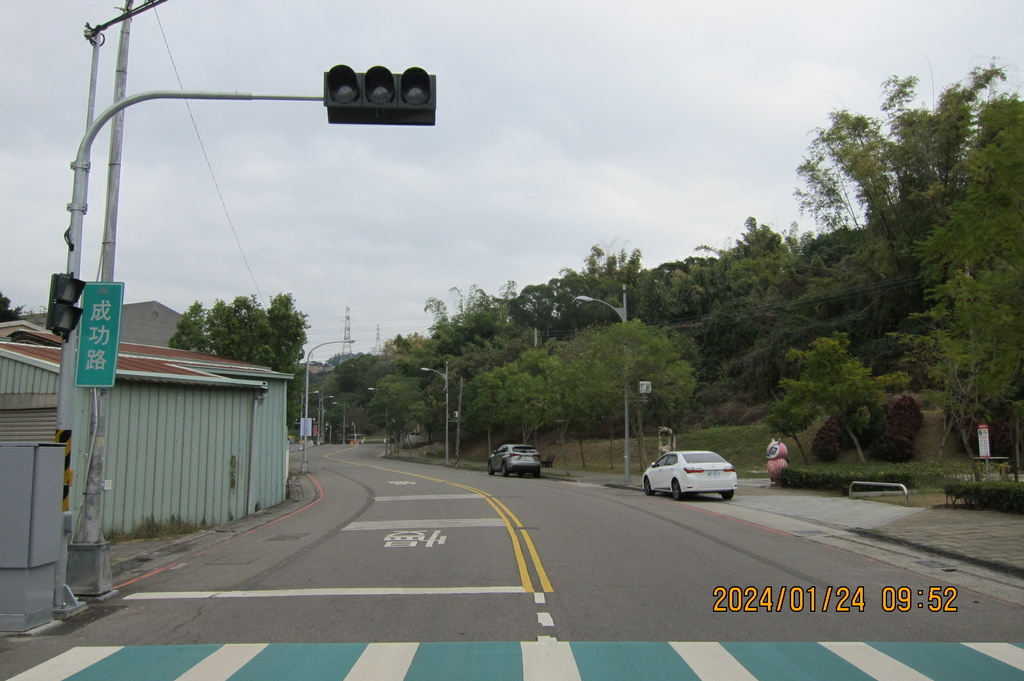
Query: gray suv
[[518, 459]]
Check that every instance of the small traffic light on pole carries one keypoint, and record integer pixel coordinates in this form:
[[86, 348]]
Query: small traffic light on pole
[[379, 97], [62, 315]]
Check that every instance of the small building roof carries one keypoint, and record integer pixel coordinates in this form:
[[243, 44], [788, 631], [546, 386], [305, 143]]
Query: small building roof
[[10, 328], [154, 363]]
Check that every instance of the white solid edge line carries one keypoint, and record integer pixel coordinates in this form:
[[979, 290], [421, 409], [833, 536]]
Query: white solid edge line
[[224, 662], [327, 592], [874, 662], [549, 661], [711, 662], [67, 663], [383, 662], [1004, 652]]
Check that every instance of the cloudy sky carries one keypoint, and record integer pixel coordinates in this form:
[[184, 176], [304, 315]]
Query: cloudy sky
[[659, 125]]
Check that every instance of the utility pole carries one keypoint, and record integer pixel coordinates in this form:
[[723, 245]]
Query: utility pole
[[89, 570]]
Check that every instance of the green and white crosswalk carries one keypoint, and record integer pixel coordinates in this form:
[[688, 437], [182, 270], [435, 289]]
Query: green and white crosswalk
[[543, 660]]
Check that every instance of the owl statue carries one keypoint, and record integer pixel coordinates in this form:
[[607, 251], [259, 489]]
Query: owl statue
[[778, 457]]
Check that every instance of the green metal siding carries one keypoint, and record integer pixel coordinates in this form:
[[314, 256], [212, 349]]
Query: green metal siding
[[174, 449], [183, 451], [23, 378]]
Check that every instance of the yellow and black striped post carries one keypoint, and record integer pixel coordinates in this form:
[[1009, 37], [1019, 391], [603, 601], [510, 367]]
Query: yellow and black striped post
[[64, 437]]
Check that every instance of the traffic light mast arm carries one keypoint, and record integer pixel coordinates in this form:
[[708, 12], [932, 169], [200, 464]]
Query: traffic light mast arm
[[81, 164], [101, 120], [77, 207]]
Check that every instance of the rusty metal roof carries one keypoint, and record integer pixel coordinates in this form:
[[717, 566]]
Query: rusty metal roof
[[152, 363]]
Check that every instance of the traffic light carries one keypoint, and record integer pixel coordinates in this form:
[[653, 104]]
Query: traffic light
[[379, 97], [62, 316]]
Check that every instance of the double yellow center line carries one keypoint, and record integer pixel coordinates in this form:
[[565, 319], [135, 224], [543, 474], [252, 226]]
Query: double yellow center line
[[516, 532]]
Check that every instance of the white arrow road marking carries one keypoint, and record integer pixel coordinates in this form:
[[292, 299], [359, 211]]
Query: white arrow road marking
[[442, 523]]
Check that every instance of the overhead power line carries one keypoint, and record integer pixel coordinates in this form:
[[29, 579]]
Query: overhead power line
[[206, 157]]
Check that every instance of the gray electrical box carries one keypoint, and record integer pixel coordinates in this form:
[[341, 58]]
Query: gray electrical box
[[30, 533]]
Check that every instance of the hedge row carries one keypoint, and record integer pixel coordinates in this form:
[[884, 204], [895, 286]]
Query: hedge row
[[837, 477], [1007, 497]]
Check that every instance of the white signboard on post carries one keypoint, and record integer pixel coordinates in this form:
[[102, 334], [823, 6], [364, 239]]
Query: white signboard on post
[[983, 448]]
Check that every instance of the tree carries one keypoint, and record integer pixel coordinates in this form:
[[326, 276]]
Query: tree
[[287, 333], [895, 178], [481, 415], [8, 313], [524, 401], [838, 385], [246, 332], [615, 358], [974, 340], [790, 416], [398, 403], [968, 360]]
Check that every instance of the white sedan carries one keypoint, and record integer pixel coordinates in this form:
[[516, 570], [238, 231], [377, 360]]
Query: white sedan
[[683, 473]]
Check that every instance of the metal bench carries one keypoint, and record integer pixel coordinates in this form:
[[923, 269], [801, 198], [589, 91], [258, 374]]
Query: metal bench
[[547, 462]]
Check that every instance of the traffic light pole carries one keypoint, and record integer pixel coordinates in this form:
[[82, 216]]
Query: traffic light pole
[[91, 512]]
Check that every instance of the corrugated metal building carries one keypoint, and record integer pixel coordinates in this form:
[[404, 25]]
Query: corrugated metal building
[[192, 436]]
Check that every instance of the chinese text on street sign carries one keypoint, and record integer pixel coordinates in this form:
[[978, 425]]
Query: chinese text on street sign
[[98, 334]]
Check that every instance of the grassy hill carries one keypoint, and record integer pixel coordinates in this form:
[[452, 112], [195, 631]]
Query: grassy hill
[[744, 446]]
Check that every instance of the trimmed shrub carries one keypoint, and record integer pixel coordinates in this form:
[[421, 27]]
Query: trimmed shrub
[[904, 414], [903, 418], [837, 477], [1007, 497], [894, 447], [825, 447]]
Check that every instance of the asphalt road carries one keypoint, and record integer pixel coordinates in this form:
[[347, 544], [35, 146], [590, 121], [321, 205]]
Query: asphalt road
[[393, 551]]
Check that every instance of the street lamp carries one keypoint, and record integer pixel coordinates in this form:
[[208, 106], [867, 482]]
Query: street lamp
[[387, 447], [320, 412], [621, 311], [305, 403], [445, 377]]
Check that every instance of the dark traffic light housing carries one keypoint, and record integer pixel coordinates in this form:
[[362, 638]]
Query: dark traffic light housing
[[379, 97], [62, 315]]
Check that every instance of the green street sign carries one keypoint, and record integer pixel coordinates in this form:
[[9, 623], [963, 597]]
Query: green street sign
[[99, 332]]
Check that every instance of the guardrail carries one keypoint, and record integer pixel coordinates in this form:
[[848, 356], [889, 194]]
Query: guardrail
[[901, 486]]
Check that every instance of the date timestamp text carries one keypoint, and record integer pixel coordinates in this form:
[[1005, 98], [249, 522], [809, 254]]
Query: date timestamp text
[[831, 599]]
